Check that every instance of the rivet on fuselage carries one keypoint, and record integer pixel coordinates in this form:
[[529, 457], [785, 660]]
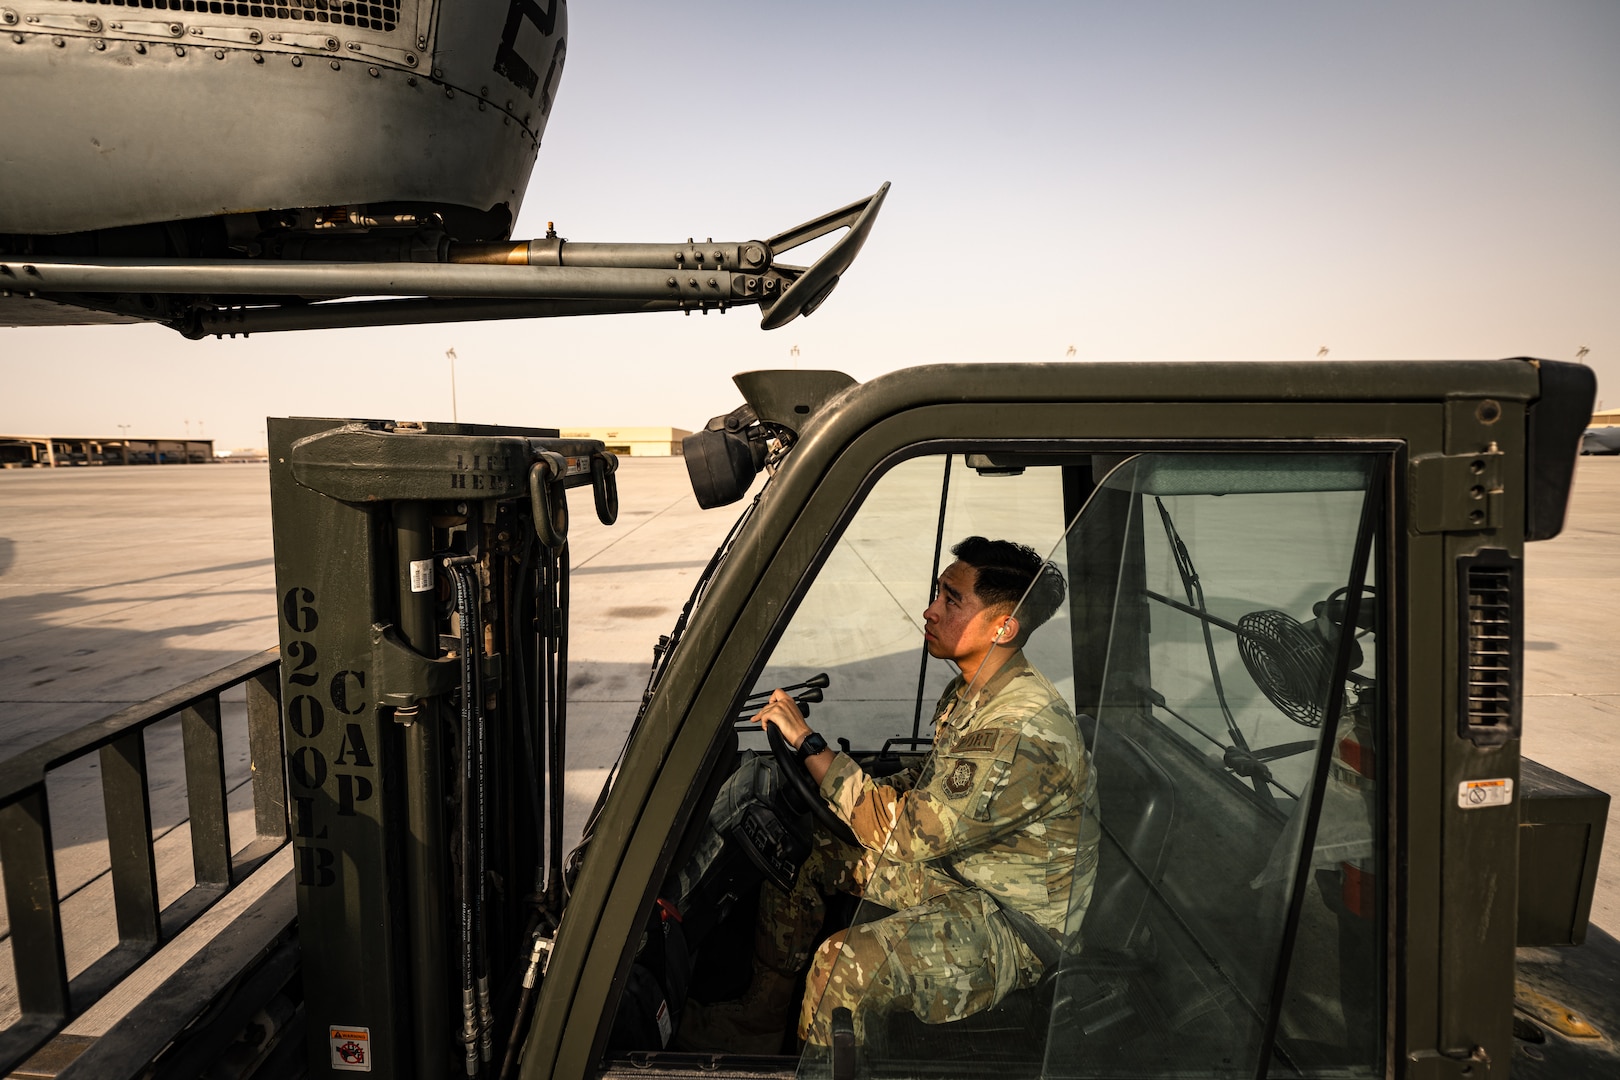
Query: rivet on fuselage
[[298, 61]]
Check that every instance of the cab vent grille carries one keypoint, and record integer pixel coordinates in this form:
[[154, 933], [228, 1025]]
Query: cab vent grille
[[382, 15], [1490, 639], [1490, 643]]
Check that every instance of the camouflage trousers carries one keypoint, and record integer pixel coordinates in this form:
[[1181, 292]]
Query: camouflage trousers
[[944, 954]]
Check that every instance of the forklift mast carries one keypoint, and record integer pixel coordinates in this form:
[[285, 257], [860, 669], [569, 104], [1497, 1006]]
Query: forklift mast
[[422, 584]]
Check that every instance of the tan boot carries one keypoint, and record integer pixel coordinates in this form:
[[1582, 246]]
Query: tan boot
[[756, 1023]]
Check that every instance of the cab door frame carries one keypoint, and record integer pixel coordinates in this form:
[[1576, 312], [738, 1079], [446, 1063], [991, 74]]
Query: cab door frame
[[655, 788]]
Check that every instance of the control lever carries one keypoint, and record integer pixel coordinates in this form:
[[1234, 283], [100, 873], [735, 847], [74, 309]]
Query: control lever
[[743, 720], [814, 682]]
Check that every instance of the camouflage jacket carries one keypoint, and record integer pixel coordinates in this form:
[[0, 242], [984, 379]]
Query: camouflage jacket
[[1006, 803]]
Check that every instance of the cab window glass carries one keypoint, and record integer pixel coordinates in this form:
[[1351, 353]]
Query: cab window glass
[[861, 620], [1208, 599]]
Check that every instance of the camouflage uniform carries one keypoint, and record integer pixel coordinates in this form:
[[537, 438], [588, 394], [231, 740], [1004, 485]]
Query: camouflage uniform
[[1003, 813]]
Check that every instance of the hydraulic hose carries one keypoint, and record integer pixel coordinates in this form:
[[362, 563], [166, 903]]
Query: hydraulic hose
[[558, 734], [519, 597], [470, 785], [486, 1019]]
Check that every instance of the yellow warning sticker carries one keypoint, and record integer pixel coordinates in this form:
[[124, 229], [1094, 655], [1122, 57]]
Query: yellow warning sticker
[[351, 1048], [1473, 794]]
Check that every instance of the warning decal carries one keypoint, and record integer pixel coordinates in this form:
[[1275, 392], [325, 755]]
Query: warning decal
[[1473, 794], [351, 1048]]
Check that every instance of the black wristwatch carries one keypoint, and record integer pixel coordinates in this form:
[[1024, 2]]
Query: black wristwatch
[[812, 745]]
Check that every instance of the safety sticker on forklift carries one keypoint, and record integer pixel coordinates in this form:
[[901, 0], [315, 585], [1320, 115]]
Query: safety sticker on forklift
[[1473, 794], [665, 1027], [351, 1048]]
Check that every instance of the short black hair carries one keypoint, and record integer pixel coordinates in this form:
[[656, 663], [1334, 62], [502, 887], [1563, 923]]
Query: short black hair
[[1009, 572]]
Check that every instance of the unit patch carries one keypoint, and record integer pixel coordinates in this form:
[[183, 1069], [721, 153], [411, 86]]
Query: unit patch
[[960, 780], [351, 1048]]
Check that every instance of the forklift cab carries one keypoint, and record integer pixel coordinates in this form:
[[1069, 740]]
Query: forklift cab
[[1291, 645]]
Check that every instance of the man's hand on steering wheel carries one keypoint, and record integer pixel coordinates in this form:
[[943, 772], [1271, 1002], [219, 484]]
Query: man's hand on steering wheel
[[785, 726], [782, 711]]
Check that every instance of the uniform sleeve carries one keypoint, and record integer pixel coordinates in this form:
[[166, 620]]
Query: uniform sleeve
[[993, 781]]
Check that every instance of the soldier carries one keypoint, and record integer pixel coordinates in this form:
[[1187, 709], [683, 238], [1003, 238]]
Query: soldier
[[984, 856]]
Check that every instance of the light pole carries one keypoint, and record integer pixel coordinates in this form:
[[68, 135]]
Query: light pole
[[123, 431], [1580, 354], [450, 354]]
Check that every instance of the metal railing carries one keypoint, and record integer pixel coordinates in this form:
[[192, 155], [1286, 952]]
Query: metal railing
[[48, 999]]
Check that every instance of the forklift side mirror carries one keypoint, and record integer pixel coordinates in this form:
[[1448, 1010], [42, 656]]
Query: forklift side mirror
[[722, 461]]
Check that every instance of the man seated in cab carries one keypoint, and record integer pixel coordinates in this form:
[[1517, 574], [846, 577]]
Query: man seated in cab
[[991, 840]]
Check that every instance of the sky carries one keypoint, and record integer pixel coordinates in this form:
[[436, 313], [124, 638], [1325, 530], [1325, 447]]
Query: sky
[[1144, 181]]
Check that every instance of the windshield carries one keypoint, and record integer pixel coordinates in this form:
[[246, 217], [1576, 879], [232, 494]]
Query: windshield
[[1214, 649]]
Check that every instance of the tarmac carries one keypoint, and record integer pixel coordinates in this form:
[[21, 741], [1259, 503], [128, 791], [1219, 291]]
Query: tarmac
[[119, 583]]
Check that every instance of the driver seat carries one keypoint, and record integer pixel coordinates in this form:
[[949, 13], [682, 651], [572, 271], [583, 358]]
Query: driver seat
[[1092, 987]]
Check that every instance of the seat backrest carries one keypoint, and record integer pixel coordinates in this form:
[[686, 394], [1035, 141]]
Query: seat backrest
[[1136, 807]]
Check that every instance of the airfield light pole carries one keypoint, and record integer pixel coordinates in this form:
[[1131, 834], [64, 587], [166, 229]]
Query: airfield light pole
[[450, 354], [123, 431]]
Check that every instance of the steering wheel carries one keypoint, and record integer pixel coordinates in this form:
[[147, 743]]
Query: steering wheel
[[803, 789]]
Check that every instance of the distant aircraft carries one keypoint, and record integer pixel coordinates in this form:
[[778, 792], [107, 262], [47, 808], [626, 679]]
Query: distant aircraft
[[1601, 440], [251, 168]]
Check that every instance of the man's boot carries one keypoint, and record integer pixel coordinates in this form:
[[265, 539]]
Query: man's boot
[[756, 1023]]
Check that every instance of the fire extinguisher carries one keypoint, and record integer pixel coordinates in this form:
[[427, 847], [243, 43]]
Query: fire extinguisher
[[1355, 765]]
